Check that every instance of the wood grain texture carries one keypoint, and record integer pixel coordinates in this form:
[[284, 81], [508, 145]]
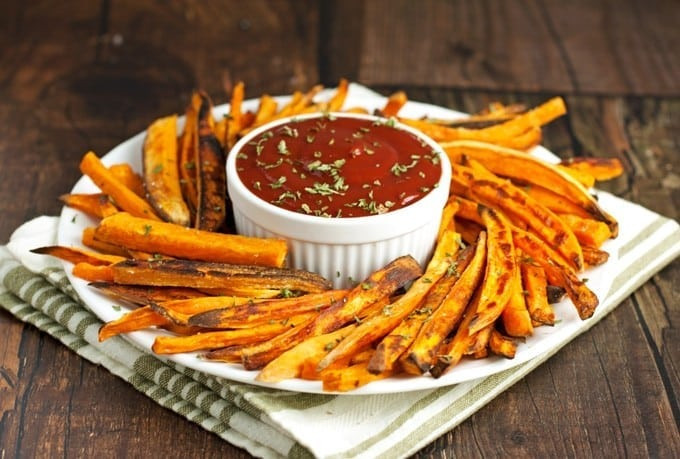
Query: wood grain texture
[[523, 45], [85, 75]]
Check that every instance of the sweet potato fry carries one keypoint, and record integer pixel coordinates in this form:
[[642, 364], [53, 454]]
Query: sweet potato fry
[[224, 338], [180, 311], [73, 255], [534, 282], [582, 177], [143, 295], [394, 103], [517, 165], [264, 311], [589, 232], [467, 209], [499, 133], [96, 205], [290, 363], [353, 377], [122, 196], [338, 100], [229, 354], [502, 345], [500, 269], [559, 273], [379, 285], [447, 222], [123, 229], [197, 274], [469, 231], [161, 174], [479, 342], [594, 257], [93, 273], [548, 226], [266, 110], [553, 201], [515, 318], [378, 325], [131, 179], [89, 241], [234, 120], [599, 168], [450, 353], [211, 181], [423, 351], [188, 153], [137, 319]]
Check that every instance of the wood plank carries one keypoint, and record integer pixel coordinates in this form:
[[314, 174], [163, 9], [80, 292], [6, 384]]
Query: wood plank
[[86, 75], [541, 45]]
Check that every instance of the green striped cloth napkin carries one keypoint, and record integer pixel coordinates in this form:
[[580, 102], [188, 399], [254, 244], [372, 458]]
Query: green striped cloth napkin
[[273, 423]]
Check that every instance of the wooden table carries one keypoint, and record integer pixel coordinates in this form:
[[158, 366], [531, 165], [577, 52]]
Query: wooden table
[[85, 75]]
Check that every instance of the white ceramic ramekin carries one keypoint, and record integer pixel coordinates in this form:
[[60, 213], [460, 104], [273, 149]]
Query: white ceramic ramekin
[[344, 250]]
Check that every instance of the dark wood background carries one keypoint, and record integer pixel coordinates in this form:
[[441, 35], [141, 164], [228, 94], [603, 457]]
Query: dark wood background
[[85, 75]]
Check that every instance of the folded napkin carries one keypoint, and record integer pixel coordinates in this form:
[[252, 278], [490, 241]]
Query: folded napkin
[[273, 423]]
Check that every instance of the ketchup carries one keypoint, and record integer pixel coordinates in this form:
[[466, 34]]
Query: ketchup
[[335, 166]]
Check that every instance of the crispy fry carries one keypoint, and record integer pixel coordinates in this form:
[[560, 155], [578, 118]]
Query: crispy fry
[[211, 181], [502, 345], [161, 174], [188, 153], [181, 310], [353, 377], [224, 338], [88, 240], [252, 313], [450, 353], [266, 110], [197, 274], [93, 273], [167, 239], [581, 176], [500, 269], [499, 133], [143, 295], [541, 220], [234, 122], [131, 179], [394, 104], [535, 283], [290, 363], [589, 232], [553, 201], [467, 209], [73, 255], [558, 272], [516, 319], [594, 257], [423, 352], [448, 214], [338, 100], [96, 205], [378, 325], [598, 168], [480, 340], [137, 319], [517, 165], [469, 231], [379, 285], [123, 197]]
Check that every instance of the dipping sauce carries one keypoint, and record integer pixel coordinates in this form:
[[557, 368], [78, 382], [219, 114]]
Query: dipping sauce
[[335, 166]]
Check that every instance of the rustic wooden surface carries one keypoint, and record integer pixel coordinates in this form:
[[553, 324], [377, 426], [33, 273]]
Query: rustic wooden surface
[[85, 75]]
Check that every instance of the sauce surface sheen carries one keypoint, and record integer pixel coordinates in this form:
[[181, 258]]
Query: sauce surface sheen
[[338, 166]]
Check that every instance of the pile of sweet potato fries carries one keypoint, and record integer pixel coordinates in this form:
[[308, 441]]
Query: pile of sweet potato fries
[[515, 235]]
